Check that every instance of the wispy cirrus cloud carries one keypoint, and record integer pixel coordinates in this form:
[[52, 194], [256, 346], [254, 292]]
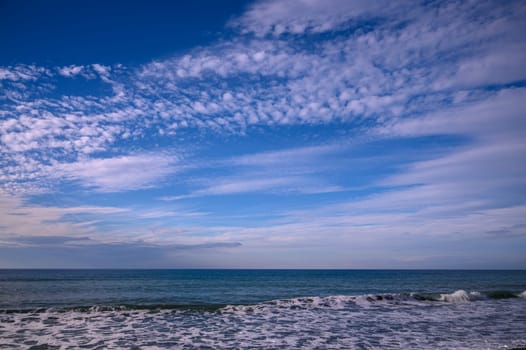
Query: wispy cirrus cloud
[[123, 173], [294, 170], [497, 117], [21, 219], [255, 184]]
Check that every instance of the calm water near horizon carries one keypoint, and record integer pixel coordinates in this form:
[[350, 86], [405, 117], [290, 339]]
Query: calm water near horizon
[[265, 309]]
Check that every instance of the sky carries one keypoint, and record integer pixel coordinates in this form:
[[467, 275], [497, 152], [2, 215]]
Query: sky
[[263, 134]]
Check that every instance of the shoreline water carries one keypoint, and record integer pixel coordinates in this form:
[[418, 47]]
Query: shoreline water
[[335, 309]]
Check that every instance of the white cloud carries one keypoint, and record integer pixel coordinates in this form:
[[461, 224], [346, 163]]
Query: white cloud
[[294, 170], [235, 186], [101, 69], [299, 16], [22, 72], [20, 219], [122, 173], [70, 71], [499, 115], [499, 66], [289, 157], [262, 181], [391, 70], [487, 170]]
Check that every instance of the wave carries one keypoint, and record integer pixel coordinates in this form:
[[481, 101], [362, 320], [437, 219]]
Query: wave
[[316, 302], [460, 296], [372, 300]]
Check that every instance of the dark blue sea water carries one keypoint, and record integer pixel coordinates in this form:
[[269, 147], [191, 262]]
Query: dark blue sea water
[[264, 309]]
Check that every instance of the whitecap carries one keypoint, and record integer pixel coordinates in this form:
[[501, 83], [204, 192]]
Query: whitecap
[[459, 296]]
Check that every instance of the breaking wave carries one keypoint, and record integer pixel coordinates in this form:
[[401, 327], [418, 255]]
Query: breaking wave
[[316, 302], [371, 300], [371, 321]]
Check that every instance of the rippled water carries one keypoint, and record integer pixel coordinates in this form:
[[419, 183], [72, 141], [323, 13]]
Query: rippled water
[[263, 309]]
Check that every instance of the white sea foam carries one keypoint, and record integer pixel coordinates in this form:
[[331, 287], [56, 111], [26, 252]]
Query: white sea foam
[[337, 302], [359, 301], [460, 296], [523, 295], [386, 321]]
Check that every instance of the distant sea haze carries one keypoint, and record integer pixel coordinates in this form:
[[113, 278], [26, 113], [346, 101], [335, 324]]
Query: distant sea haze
[[262, 309]]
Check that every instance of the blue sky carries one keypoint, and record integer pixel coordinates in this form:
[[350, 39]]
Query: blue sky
[[266, 134]]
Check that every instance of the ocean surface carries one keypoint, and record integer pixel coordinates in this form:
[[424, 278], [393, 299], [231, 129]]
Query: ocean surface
[[262, 309]]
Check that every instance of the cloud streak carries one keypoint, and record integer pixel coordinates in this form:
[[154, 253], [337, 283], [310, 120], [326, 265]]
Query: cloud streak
[[124, 173]]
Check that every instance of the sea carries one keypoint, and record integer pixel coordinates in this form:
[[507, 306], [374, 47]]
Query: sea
[[262, 309]]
